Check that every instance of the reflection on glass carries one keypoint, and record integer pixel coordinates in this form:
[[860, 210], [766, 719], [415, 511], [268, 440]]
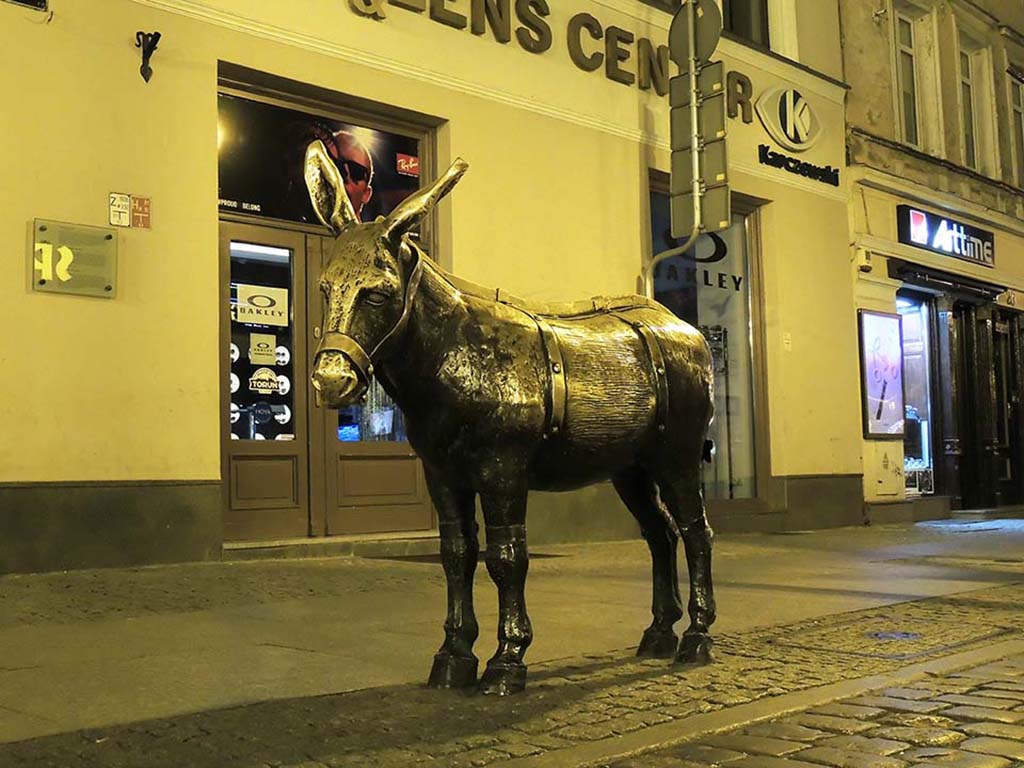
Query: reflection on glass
[[376, 420], [918, 462], [713, 294], [262, 400]]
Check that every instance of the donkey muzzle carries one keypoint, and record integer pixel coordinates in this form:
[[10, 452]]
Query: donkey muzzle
[[341, 370]]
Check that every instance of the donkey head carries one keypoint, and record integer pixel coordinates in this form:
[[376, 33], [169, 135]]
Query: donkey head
[[369, 279]]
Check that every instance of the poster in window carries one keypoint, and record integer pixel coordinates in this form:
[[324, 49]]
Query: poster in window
[[881, 364], [261, 152]]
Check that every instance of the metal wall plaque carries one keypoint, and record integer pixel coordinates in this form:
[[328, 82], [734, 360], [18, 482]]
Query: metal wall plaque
[[73, 258]]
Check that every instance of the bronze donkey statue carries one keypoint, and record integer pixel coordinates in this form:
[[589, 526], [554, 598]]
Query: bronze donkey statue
[[499, 399]]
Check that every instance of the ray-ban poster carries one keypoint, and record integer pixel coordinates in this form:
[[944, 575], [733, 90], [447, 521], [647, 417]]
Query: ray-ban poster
[[261, 151], [881, 365]]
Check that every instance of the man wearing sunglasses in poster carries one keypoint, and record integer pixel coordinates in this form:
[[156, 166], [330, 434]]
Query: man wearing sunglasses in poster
[[356, 166], [350, 154]]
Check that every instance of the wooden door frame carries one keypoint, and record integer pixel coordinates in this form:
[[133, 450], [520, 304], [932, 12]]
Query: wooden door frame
[[255, 233]]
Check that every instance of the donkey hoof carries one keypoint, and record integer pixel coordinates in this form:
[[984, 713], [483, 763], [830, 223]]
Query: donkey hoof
[[503, 679], [695, 648], [658, 645], [450, 671]]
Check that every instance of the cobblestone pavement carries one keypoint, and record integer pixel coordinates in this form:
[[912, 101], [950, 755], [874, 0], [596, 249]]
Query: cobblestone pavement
[[579, 701], [973, 718]]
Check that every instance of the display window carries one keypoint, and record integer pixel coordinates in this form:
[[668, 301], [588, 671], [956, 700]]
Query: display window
[[709, 287], [262, 333], [261, 147]]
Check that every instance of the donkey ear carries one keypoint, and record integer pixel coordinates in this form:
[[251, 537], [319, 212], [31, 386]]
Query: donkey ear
[[326, 189], [411, 210]]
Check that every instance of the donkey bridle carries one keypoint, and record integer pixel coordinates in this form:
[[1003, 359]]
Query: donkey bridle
[[335, 341]]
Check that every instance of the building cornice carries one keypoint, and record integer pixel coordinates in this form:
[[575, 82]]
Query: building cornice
[[984, 216], [949, 165], [1012, 34]]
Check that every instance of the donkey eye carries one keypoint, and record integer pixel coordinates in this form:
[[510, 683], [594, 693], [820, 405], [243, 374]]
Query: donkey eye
[[376, 298]]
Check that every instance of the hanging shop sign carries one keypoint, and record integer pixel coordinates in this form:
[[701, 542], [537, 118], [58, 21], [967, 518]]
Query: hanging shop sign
[[949, 237]]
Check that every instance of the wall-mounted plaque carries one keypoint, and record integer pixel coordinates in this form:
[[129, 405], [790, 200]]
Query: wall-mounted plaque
[[73, 258]]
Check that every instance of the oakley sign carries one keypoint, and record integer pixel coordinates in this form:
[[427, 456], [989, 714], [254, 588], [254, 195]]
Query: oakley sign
[[789, 118], [941, 235]]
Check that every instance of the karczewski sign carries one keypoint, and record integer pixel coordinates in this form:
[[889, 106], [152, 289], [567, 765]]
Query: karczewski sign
[[946, 236]]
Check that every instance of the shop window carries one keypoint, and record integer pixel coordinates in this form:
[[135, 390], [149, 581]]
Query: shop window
[[261, 148], [1017, 129], [262, 331], [709, 287], [918, 450]]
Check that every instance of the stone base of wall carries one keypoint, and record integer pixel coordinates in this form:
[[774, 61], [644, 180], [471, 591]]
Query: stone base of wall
[[65, 526]]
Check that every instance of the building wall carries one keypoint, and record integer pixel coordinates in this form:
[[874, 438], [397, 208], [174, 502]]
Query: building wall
[[887, 172], [554, 206]]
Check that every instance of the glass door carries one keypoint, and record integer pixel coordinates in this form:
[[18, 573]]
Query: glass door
[[264, 434], [372, 481], [918, 445]]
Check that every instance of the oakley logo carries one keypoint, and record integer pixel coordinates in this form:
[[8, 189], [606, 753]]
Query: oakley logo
[[789, 118], [263, 302]]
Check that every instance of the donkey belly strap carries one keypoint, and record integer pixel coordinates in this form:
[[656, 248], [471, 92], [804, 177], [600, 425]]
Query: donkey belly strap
[[657, 360], [557, 391]]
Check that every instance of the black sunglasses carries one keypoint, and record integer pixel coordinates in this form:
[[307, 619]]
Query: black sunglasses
[[353, 171]]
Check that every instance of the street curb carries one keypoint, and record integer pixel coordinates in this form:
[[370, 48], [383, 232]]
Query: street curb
[[667, 735]]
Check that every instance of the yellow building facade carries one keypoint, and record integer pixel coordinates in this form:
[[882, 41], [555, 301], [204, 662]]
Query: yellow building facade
[[119, 446]]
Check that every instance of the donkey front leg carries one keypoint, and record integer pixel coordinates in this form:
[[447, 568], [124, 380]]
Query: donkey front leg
[[507, 563], [455, 666]]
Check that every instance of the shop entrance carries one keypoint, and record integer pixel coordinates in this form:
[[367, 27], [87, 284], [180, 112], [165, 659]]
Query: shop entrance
[[293, 467], [963, 362]]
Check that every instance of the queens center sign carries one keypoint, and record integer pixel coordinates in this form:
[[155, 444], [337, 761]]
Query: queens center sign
[[630, 60], [949, 237]]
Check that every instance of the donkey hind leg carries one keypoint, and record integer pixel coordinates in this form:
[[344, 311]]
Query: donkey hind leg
[[507, 563], [683, 497], [455, 666], [637, 491]]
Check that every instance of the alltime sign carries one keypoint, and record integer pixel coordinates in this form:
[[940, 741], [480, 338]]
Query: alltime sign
[[946, 236]]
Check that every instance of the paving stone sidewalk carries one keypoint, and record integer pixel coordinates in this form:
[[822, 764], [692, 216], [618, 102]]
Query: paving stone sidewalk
[[577, 701], [973, 718]]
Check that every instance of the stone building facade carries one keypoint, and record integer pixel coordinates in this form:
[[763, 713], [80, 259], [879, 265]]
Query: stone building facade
[[935, 144]]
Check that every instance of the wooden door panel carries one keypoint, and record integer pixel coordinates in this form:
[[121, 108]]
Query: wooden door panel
[[261, 482], [381, 518], [379, 480], [379, 494]]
